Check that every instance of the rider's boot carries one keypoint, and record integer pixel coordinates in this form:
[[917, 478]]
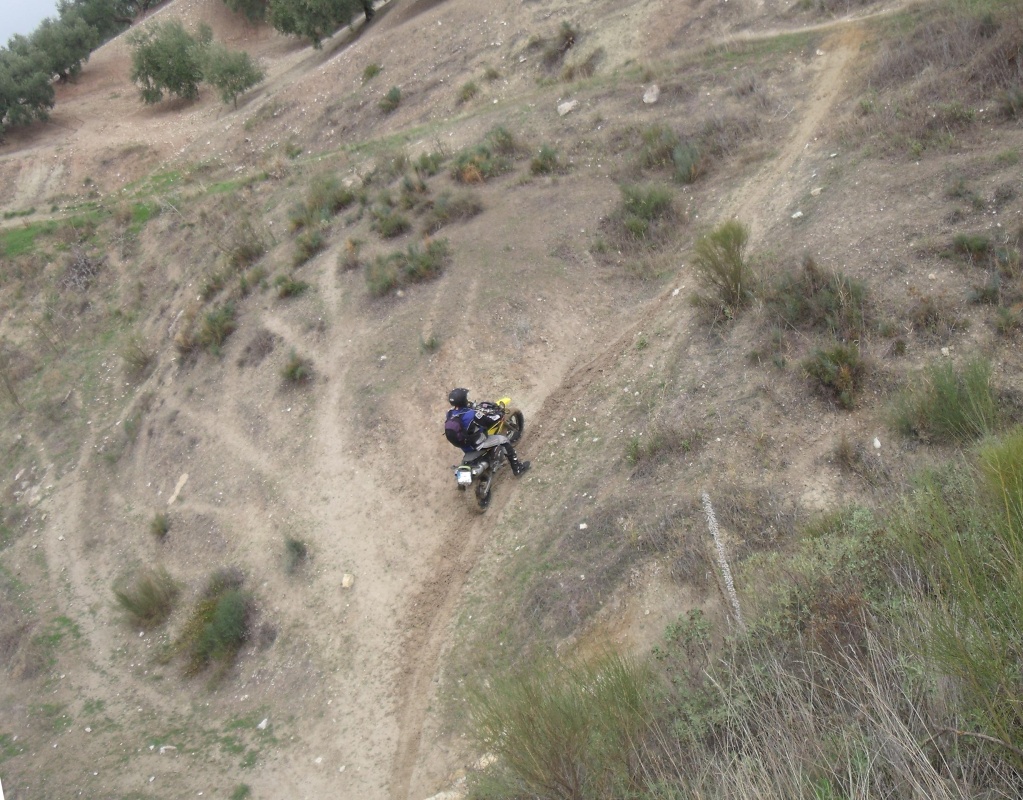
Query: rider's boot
[[520, 468]]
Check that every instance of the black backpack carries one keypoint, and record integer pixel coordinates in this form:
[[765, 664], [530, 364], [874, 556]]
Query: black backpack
[[455, 428]]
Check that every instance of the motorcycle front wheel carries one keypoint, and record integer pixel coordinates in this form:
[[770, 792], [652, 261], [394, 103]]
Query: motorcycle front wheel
[[514, 425]]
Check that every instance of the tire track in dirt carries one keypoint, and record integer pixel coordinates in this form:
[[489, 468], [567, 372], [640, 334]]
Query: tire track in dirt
[[432, 607]]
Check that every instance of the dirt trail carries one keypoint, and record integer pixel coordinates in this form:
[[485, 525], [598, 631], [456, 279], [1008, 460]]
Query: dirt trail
[[769, 193]]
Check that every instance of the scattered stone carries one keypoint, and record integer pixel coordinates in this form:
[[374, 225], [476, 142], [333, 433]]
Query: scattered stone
[[347, 580], [262, 725], [815, 192], [166, 748], [651, 95], [877, 443], [567, 107], [583, 526], [797, 215]]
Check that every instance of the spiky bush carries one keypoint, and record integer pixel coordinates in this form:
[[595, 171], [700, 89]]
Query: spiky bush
[[150, 598], [720, 264]]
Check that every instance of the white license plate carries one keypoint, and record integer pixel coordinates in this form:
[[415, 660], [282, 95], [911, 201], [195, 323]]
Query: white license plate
[[463, 476]]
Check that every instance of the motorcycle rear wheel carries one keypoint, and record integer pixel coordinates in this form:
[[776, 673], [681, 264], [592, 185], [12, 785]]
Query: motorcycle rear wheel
[[482, 489]]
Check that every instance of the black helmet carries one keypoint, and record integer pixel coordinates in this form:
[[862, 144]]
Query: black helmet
[[459, 398]]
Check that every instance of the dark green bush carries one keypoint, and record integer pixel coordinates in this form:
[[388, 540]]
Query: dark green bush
[[839, 372]]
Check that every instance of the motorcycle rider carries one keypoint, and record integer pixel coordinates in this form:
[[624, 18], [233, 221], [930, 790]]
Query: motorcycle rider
[[477, 419]]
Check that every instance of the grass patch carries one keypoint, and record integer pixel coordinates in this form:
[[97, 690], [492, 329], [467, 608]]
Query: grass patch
[[150, 598], [370, 72], [948, 404], [137, 357], [18, 241]]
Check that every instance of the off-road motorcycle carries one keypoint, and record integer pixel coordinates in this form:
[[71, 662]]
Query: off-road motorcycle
[[475, 474]]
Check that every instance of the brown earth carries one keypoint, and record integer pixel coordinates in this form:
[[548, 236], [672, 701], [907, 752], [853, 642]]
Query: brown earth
[[351, 679]]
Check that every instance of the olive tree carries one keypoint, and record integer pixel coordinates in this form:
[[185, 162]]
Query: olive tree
[[166, 57], [230, 72]]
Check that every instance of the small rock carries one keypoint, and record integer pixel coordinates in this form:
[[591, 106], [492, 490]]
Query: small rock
[[167, 748], [816, 190], [485, 761], [877, 443], [262, 725], [931, 276], [797, 215], [347, 580], [318, 760], [652, 94], [583, 526], [567, 107]]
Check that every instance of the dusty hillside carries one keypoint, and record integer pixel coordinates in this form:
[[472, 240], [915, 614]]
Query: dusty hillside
[[357, 656]]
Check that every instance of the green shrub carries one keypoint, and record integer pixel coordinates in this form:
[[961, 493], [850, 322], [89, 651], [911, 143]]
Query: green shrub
[[468, 91], [370, 72], [948, 404], [563, 731], [159, 526], [429, 164], [287, 286], [137, 357], [390, 224], [295, 554], [414, 265], [246, 247], [546, 162], [839, 372], [720, 264], [150, 598], [308, 244], [390, 101], [821, 300], [326, 197], [966, 533], [297, 369], [972, 245], [451, 207], [217, 324], [218, 625]]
